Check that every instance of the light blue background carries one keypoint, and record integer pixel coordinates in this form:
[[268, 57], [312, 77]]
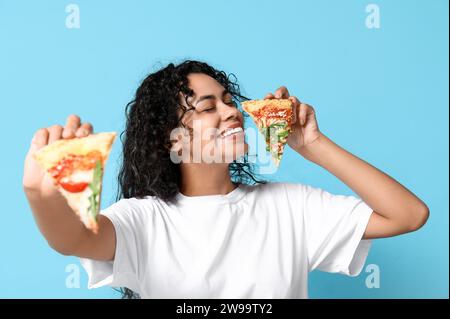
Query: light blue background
[[381, 93]]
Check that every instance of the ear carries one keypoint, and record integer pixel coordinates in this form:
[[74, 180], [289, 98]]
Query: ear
[[177, 140], [176, 147]]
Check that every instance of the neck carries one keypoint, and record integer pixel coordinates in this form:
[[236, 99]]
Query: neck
[[205, 179]]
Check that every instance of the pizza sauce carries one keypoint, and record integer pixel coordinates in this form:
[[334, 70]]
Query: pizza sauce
[[272, 112], [72, 165]]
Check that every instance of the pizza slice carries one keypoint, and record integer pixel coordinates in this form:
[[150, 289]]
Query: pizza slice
[[273, 117], [76, 166]]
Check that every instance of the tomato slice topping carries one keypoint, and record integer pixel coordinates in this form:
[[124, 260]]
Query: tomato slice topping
[[74, 187]]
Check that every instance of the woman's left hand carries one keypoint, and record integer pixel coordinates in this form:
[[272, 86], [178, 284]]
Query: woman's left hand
[[305, 129]]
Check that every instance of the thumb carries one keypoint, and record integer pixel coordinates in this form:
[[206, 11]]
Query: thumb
[[295, 104], [32, 173]]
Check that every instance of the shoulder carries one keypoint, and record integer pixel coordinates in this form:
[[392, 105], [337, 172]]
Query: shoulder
[[131, 208]]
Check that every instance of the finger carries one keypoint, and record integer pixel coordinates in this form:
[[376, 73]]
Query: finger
[[295, 108], [40, 139], [55, 133], [84, 130], [282, 93], [72, 124], [269, 96], [303, 112]]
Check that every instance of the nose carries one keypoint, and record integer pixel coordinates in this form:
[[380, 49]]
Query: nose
[[230, 113]]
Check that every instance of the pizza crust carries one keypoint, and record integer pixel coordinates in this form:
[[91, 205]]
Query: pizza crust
[[254, 105], [51, 154]]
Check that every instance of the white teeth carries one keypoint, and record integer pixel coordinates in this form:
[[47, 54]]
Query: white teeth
[[232, 131]]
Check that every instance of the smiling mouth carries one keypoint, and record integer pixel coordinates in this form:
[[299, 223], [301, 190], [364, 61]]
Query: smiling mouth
[[231, 132]]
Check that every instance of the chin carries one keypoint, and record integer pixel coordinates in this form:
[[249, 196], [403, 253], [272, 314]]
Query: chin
[[233, 153]]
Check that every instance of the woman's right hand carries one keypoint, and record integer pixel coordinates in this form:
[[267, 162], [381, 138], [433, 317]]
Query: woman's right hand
[[35, 180]]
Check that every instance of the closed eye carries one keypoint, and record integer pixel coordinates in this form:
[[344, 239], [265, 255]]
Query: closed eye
[[210, 109]]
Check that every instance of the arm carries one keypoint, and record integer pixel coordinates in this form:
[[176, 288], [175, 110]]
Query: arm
[[57, 222], [396, 209]]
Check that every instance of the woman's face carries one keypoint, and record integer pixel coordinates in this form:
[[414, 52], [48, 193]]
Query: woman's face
[[216, 124]]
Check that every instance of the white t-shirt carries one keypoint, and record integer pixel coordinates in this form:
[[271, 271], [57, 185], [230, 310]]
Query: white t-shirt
[[254, 242]]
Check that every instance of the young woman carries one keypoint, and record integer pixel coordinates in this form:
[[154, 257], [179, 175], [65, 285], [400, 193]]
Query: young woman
[[211, 229]]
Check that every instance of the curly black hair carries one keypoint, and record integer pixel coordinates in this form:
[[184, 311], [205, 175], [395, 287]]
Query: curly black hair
[[147, 169]]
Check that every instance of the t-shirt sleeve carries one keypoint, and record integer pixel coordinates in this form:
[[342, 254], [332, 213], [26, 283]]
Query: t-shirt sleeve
[[124, 270], [334, 226]]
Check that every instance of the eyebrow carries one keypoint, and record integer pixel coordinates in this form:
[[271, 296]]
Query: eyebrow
[[210, 96]]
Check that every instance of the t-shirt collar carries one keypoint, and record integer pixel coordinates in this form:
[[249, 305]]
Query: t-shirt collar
[[231, 197]]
